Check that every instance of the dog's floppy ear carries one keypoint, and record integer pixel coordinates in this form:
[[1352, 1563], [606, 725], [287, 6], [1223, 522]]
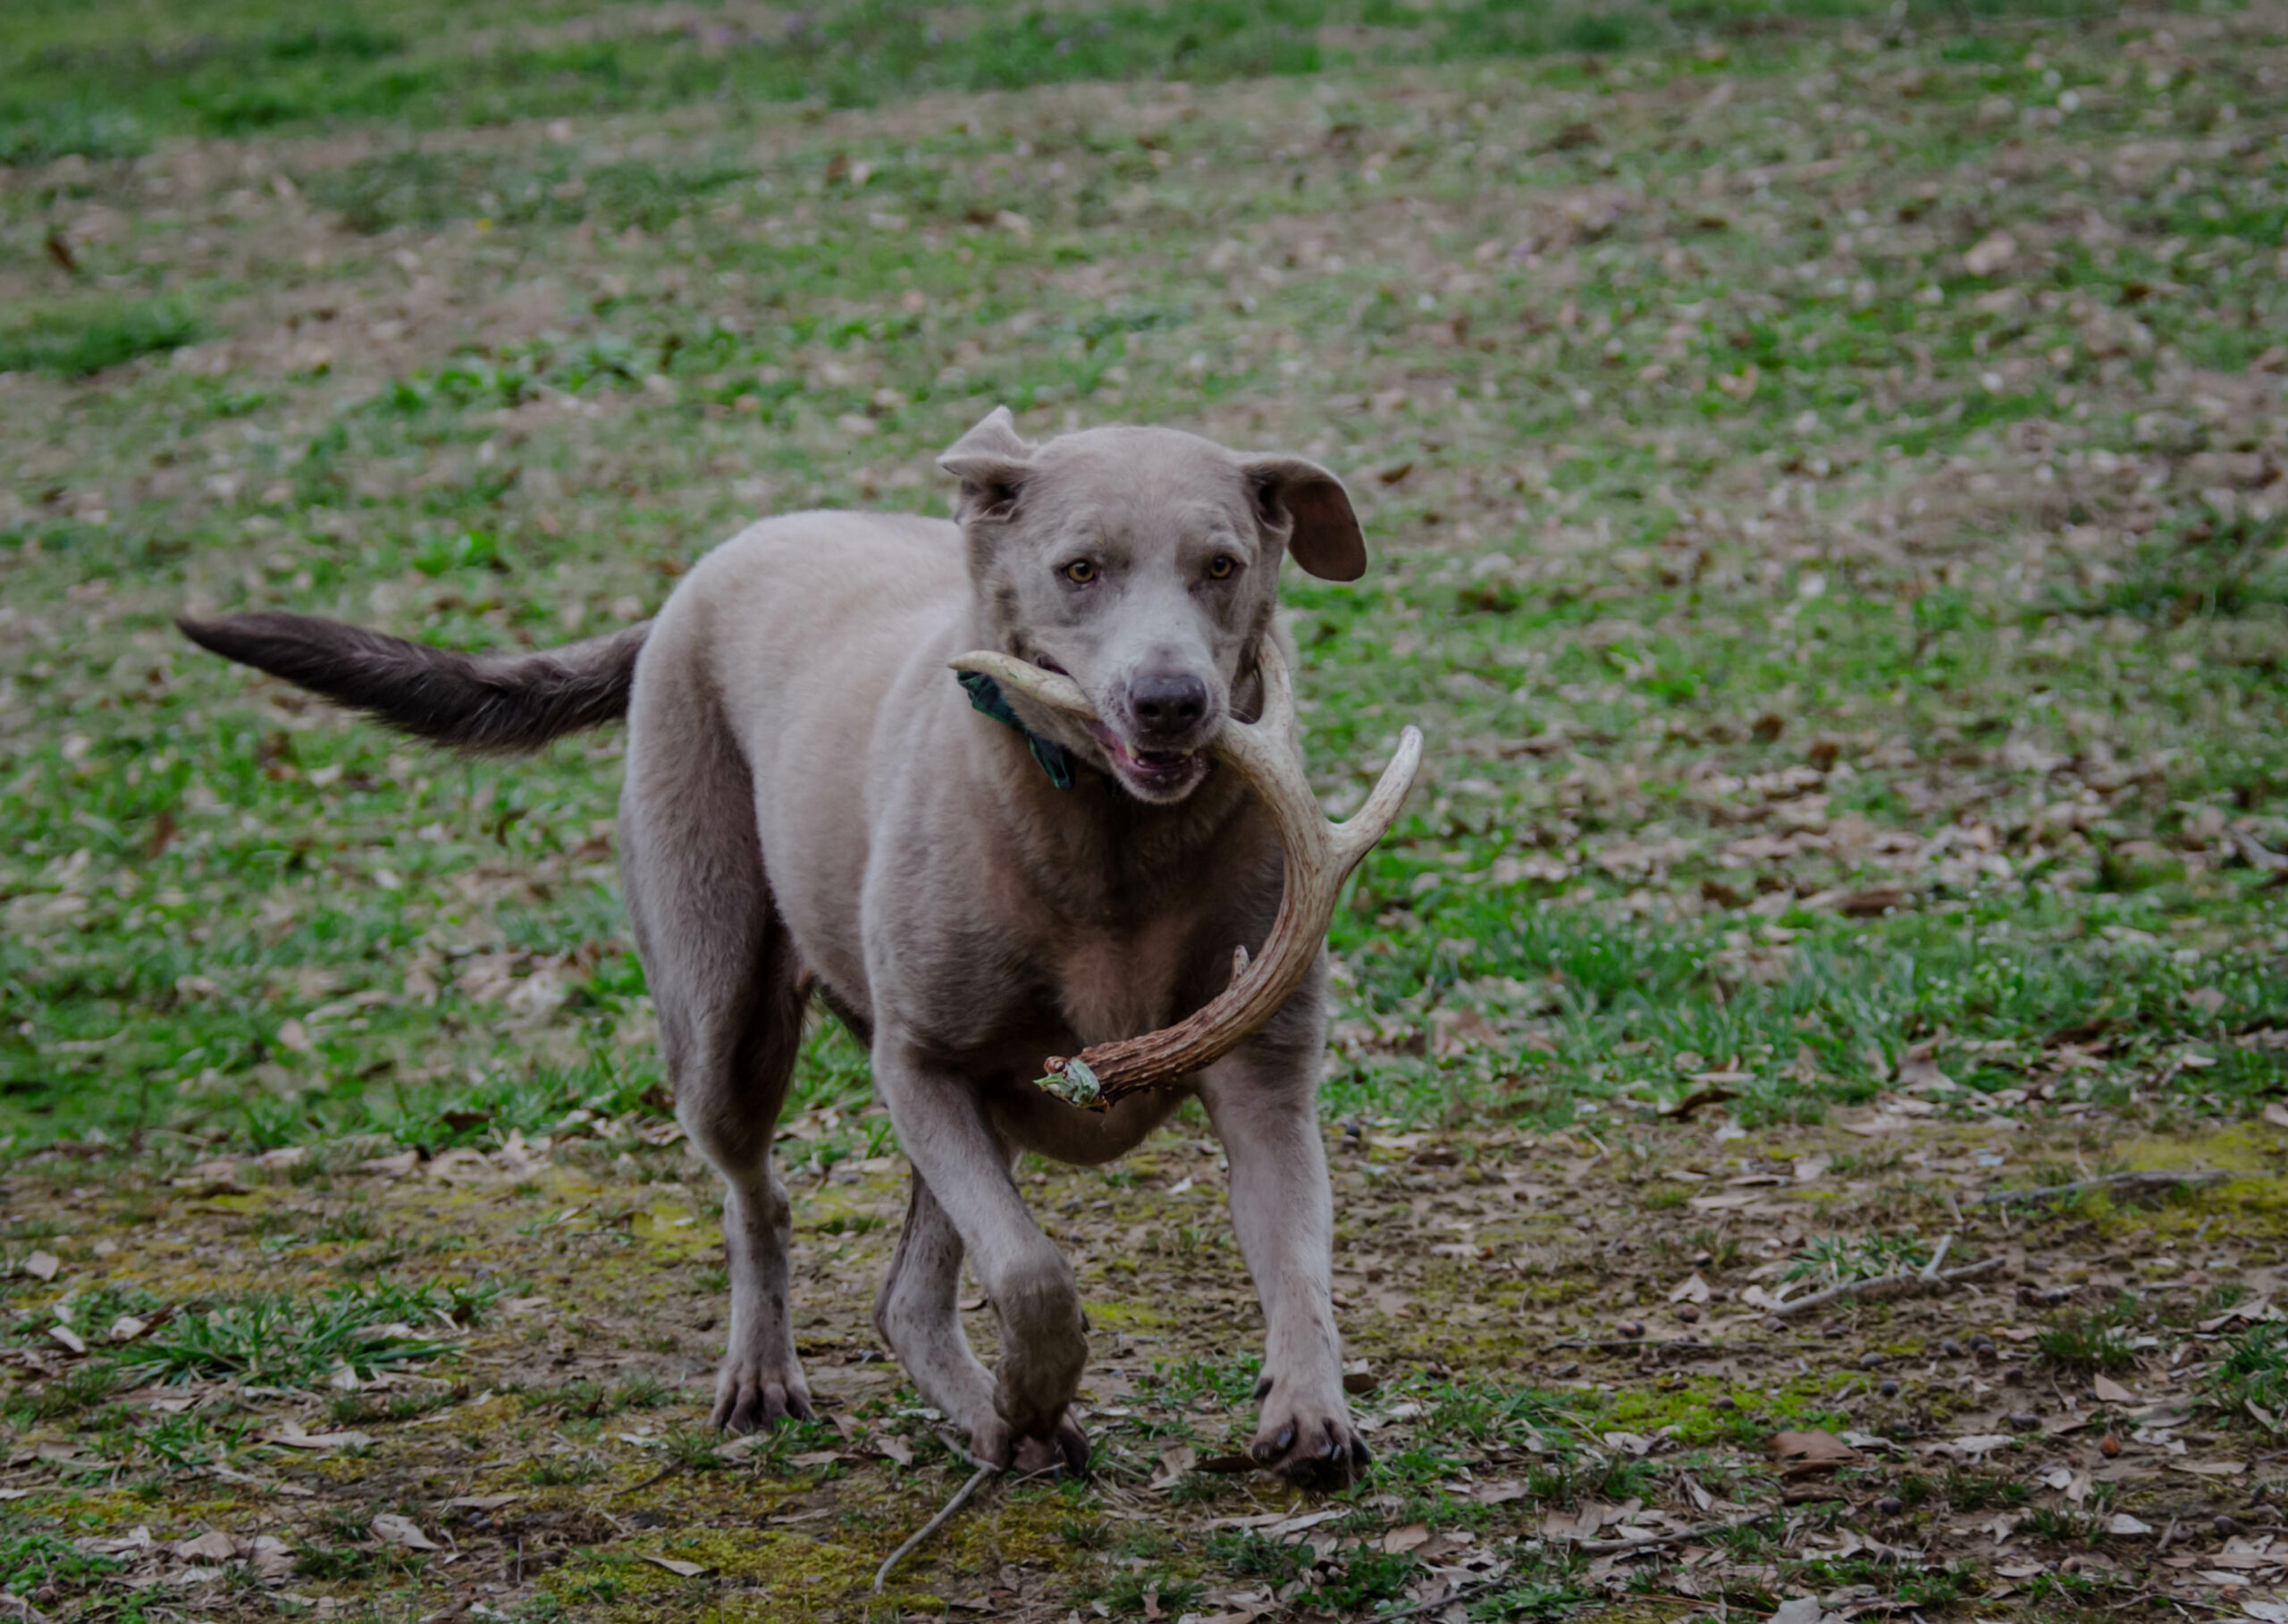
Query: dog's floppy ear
[[992, 461], [1299, 496]]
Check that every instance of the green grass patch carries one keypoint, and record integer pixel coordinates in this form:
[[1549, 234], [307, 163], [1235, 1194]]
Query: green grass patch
[[80, 338]]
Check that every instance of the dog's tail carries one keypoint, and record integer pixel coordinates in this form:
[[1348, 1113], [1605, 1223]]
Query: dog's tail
[[483, 704]]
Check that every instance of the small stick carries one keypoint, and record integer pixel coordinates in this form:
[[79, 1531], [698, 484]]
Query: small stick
[[1885, 1286], [668, 1471], [1938, 1256], [2113, 1180], [961, 1497], [1601, 1547]]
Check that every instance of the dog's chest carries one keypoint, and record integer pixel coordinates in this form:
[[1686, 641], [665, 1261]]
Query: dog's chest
[[1111, 986]]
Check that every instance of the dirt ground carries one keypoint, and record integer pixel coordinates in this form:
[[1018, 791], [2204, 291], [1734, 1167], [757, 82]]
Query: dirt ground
[[1564, 1351]]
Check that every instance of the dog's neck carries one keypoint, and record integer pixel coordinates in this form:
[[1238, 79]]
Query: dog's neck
[[1095, 851]]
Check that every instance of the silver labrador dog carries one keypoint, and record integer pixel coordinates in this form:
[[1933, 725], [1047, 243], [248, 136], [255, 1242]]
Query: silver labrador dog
[[814, 803]]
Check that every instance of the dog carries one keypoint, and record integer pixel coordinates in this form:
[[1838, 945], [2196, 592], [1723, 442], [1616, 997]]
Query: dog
[[814, 804]]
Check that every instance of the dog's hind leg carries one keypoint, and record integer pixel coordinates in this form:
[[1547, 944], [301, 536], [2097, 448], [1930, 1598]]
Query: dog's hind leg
[[729, 990], [918, 1313]]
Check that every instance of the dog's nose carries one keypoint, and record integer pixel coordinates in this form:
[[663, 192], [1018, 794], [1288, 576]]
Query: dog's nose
[[1167, 705]]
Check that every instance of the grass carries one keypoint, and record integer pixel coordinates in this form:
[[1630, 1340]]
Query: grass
[[274, 1340], [76, 85], [82, 339], [1833, 1258], [1851, 673], [2085, 1340], [2252, 1377]]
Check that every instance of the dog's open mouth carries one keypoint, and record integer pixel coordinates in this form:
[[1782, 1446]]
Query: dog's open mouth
[[1155, 774]]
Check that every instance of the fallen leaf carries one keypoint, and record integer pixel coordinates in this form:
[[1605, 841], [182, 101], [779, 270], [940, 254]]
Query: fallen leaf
[[1797, 1452], [392, 1530], [1407, 1538], [42, 1266], [1974, 1446], [293, 1035], [1995, 250], [1283, 1526], [681, 1569], [2210, 1468], [392, 1166], [291, 1436], [1499, 1493], [1581, 1524], [1917, 1069], [1175, 1461], [2125, 1527], [211, 1546], [2111, 1391], [816, 1457], [67, 1338], [1875, 1126], [1799, 1610], [1692, 1289], [895, 1448], [2277, 1114]]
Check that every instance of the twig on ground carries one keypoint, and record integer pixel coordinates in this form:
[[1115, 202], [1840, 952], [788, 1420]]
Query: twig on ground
[[1599, 1547], [668, 1471], [1465, 1593], [1884, 1287], [2155, 1182], [1938, 1256], [960, 1499]]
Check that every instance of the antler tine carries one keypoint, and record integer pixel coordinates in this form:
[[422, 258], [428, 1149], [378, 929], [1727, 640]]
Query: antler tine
[[1318, 855], [1358, 833], [1278, 714]]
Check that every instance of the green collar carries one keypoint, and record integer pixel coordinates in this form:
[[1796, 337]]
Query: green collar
[[985, 696]]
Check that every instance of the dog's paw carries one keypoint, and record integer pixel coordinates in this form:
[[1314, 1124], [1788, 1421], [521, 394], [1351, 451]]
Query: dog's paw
[[1045, 1346], [1064, 1453], [1313, 1446], [749, 1398]]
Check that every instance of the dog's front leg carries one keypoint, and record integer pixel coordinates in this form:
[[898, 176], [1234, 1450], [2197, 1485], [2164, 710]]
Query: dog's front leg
[[965, 1172], [1264, 1101]]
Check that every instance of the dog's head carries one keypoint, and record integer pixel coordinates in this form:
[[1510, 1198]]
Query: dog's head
[[1143, 563]]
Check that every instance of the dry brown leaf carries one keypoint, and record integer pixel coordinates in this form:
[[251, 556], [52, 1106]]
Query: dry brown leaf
[[211, 1546], [1917, 1069], [681, 1569], [2111, 1391], [403, 1532], [1174, 1462], [1799, 1452]]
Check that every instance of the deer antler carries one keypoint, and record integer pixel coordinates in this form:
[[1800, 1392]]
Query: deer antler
[[1319, 857]]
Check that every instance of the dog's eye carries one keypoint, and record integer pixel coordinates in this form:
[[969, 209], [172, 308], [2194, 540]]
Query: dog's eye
[[1220, 567], [1080, 572]]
